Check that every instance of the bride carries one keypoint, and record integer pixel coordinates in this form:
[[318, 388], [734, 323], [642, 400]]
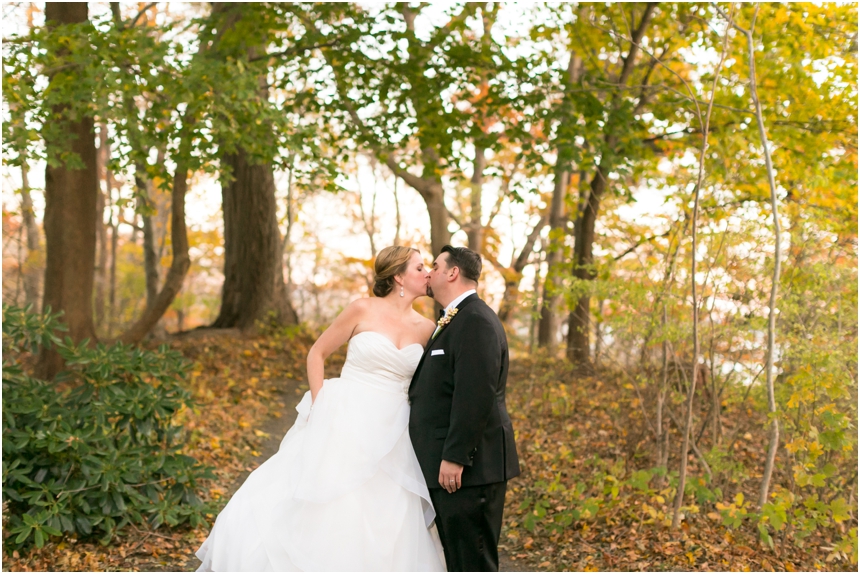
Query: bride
[[344, 491]]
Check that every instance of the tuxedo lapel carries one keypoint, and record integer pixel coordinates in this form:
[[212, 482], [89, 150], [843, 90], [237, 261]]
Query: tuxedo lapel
[[464, 303]]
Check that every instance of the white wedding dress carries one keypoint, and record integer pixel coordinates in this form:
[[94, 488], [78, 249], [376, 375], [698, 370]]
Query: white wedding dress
[[344, 491]]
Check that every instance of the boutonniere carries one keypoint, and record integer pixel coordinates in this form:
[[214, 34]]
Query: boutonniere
[[444, 321]]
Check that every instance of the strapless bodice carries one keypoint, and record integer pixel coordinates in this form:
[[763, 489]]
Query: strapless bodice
[[373, 359]]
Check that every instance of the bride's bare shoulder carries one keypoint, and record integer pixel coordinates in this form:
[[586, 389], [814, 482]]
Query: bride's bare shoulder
[[421, 321], [362, 303], [358, 308]]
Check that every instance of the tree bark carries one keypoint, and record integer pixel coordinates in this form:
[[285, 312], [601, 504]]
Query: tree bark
[[70, 218], [31, 266], [253, 275]]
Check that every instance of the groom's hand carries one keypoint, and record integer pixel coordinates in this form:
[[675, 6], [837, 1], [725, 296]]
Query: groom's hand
[[450, 476]]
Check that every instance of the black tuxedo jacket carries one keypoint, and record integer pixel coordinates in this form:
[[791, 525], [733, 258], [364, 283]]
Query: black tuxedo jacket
[[458, 399]]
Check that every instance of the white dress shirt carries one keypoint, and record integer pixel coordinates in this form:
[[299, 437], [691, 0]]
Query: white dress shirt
[[450, 306], [456, 301]]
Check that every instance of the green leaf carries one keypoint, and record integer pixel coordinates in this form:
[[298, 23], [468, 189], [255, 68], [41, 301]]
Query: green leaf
[[39, 538], [24, 535], [840, 510]]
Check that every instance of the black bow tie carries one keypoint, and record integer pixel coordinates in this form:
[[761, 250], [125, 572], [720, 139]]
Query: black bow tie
[[441, 313]]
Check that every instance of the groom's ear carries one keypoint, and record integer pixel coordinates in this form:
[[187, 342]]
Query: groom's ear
[[455, 274]]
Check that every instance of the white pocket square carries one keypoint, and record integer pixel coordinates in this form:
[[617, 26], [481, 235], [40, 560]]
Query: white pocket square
[[437, 352]]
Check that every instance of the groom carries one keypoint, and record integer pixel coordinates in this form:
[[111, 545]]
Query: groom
[[459, 424]]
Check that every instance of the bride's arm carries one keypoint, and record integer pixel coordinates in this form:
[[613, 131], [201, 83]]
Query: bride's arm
[[336, 335]]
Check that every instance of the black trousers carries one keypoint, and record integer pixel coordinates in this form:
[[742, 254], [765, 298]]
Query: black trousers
[[470, 523]]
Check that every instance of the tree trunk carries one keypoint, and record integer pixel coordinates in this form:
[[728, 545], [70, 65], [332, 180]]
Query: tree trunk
[[150, 259], [578, 340], [114, 243], [396, 215], [475, 231], [514, 274], [101, 277], [253, 274], [286, 245], [101, 261], [439, 234], [179, 243], [253, 287], [70, 217], [536, 304], [31, 265], [773, 439], [583, 260], [548, 327]]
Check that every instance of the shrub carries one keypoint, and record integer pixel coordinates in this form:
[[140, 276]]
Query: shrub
[[98, 448]]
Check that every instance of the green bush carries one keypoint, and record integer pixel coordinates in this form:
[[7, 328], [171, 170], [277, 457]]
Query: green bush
[[99, 447]]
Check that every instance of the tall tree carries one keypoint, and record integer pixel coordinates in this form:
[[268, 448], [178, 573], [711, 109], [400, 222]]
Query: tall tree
[[71, 193], [253, 268], [400, 104], [618, 111], [564, 149]]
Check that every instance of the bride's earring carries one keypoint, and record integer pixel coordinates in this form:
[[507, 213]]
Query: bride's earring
[[401, 290]]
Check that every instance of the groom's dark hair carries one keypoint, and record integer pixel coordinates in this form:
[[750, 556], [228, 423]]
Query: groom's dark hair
[[466, 260]]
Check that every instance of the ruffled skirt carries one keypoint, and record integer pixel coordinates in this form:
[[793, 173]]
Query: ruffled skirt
[[343, 492]]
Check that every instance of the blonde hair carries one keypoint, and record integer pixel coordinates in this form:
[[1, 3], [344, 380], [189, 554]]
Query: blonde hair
[[390, 261]]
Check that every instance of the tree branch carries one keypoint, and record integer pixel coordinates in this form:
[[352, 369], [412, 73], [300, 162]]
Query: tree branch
[[295, 49], [636, 245], [635, 39], [523, 258]]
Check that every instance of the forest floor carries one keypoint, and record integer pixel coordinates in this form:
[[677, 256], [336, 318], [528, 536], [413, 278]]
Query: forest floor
[[583, 502], [576, 435]]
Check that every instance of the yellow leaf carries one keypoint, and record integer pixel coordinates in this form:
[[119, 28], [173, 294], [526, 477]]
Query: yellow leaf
[[650, 510], [739, 499], [795, 445], [815, 449]]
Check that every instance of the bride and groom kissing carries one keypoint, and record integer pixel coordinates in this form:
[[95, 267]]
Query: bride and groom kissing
[[401, 463]]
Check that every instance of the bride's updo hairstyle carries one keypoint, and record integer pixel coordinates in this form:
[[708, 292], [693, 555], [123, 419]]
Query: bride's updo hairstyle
[[390, 261]]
